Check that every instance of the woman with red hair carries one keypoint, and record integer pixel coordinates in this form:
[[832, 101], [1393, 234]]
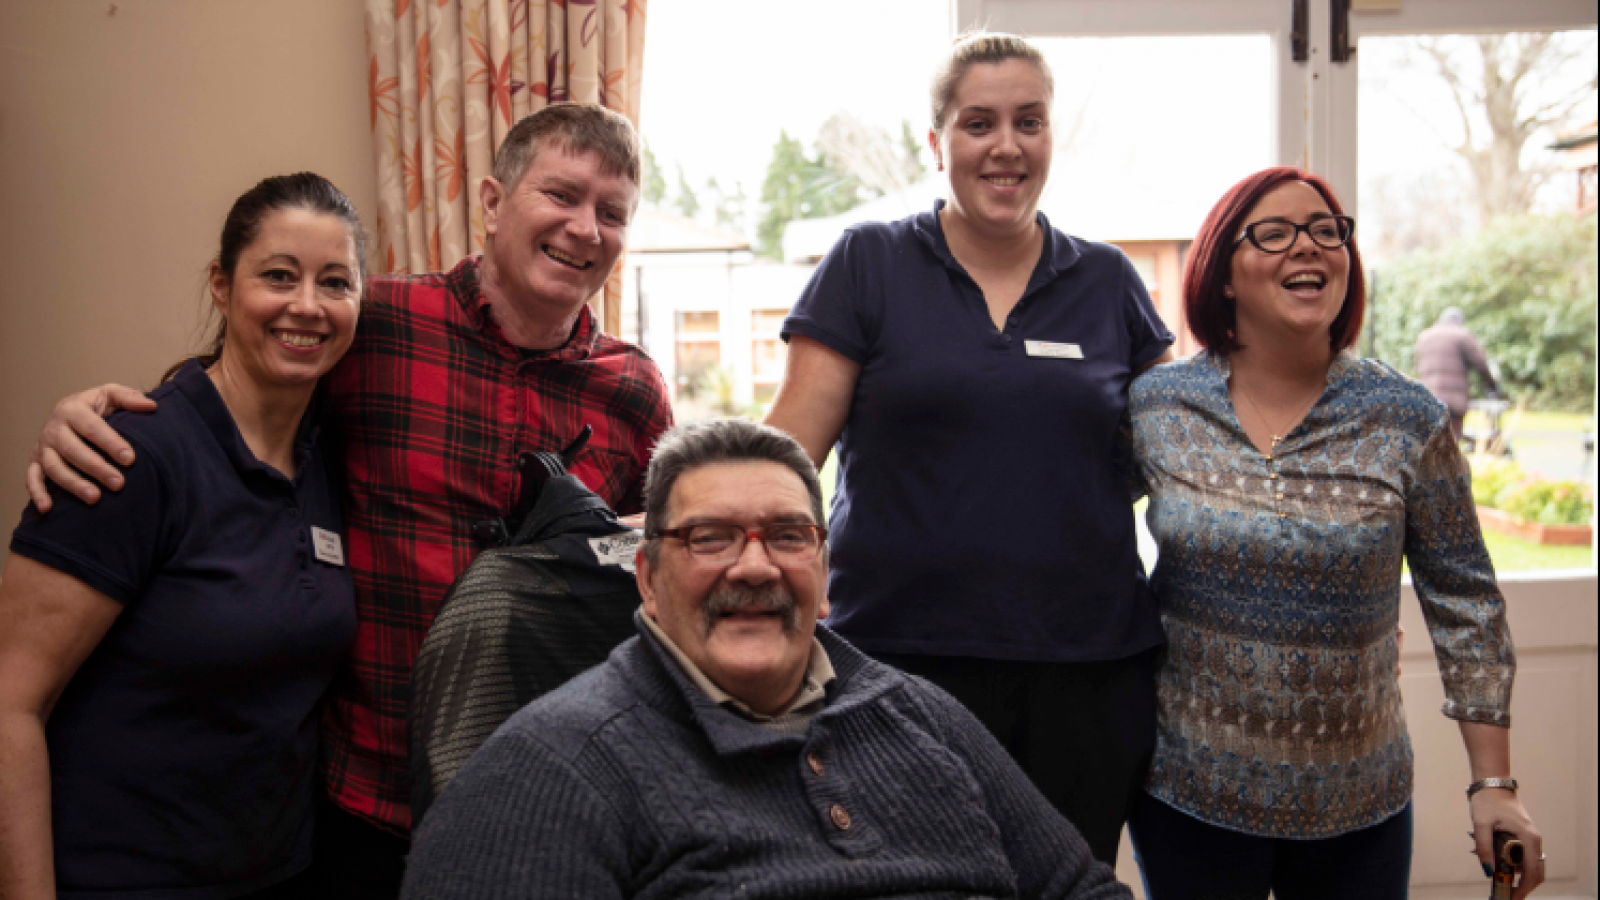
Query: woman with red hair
[[1288, 480]]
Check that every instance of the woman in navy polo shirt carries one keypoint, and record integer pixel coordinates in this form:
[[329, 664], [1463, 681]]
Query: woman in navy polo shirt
[[972, 364], [164, 652]]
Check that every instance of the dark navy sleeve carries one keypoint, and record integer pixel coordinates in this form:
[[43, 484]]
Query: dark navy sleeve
[[1148, 336], [829, 309], [113, 546]]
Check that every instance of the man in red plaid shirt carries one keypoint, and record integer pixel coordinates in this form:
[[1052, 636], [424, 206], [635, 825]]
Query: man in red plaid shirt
[[450, 378]]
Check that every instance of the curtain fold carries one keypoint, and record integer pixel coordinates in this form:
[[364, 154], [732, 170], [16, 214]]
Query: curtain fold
[[448, 78]]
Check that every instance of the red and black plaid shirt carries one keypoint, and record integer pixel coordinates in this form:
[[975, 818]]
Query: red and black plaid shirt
[[433, 406]]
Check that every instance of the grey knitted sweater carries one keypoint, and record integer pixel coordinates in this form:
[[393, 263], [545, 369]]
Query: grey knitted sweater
[[629, 782]]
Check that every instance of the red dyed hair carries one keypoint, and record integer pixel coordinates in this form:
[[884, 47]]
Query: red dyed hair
[[1209, 268]]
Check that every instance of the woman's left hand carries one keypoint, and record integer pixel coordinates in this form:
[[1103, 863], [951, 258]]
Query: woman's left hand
[[1497, 809]]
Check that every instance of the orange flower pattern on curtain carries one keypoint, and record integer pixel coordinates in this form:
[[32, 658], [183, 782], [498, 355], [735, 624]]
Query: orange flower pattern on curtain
[[448, 78]]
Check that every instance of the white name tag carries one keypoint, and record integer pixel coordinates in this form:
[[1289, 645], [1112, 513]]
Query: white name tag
[[617, 549], [327, 546], [1053, 351]]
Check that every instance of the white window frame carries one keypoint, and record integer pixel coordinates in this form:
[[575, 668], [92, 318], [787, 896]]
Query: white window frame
[[1314, 102]]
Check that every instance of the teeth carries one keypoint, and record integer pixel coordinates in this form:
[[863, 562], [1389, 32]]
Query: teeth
[[561, 257], [1304, 278], [299, 340], [1005, 182]]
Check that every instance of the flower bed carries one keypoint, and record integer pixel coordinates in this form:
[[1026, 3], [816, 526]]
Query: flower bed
[[1532, 508], [1536, 532]]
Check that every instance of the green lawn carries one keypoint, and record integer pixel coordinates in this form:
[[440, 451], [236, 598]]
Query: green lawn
[[1538, 422], [1511, 554]]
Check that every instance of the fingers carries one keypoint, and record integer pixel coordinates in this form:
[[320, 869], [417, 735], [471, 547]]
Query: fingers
[[73, 427], [117, 396], [36, 489], [1533, 866], [65, 477], [1483, 844], [1492, 812], [1532, 876]]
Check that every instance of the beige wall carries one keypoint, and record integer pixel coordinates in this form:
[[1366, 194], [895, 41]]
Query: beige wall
[[126, 130]]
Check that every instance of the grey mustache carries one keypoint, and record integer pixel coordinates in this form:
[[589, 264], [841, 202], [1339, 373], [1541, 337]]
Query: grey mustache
[[772, 597]]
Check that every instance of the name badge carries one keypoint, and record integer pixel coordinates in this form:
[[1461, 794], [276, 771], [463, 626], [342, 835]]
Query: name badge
[[1051, 350], [327, 546], [617, 549]]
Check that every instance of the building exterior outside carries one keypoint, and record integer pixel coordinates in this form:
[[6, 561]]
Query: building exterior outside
[[707, 310]]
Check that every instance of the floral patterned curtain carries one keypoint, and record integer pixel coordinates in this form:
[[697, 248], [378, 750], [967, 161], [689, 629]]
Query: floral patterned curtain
[[448, 78]]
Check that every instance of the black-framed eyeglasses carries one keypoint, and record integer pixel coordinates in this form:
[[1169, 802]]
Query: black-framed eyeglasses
[[1278, 235], [787, 543]]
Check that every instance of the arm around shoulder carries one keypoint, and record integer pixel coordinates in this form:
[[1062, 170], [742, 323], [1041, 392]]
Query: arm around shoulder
[[70, 445]]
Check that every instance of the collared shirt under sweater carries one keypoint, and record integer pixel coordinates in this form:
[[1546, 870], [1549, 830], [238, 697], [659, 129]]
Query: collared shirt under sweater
[[629, 781]]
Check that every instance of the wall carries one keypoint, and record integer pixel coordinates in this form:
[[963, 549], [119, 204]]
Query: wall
[[126, 130]]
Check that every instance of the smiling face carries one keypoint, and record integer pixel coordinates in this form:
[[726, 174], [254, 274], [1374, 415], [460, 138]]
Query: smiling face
[[553, 238], [997, 146], [1294, 294], [749, 625], [290, 302]]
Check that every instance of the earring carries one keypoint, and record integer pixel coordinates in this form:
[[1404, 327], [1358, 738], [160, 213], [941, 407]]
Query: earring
[[1227, 291]]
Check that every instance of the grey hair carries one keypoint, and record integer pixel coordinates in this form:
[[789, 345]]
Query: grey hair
[[574, 128], [1453, 316], [990, 47], [699, 444]]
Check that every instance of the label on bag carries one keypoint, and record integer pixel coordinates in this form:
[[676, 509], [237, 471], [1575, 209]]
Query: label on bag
[[617, 549], [327, 546], [1050, 350]]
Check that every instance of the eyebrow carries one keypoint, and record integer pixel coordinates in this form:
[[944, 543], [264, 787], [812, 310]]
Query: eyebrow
[[560, 181], [989, 109], [290, 257], [783, 518]]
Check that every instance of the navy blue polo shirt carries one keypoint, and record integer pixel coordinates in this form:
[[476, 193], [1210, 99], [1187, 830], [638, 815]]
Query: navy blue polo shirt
[[982, 508], [183, 751]]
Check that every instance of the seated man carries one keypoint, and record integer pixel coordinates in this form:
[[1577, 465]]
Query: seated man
[[736, 747]]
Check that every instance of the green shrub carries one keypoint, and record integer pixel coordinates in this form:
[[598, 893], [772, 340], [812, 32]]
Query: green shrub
[[1504, 486], [1528, 287], [1492, 477], [1548, 502]]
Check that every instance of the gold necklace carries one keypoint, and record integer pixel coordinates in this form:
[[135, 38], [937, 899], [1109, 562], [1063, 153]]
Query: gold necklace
[[1276, 439]]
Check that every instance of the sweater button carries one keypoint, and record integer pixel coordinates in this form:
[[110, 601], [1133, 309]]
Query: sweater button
[[815, 762], [841, 819]]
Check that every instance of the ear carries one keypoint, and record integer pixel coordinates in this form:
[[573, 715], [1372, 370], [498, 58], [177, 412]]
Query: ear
[[822, 608], [933, 144], [641, 575], [219, 285], [490, 194]]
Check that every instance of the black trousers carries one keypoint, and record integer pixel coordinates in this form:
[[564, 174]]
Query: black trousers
[[355, 859], [1083, 732], [1183, 858]]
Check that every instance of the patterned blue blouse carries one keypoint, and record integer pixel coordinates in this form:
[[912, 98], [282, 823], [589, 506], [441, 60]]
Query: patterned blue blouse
[[1279, 586]]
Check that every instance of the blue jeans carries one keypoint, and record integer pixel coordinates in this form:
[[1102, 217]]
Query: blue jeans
[[1183, 858]]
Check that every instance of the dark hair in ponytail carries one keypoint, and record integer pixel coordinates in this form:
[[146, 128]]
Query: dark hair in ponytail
[[304, 190]]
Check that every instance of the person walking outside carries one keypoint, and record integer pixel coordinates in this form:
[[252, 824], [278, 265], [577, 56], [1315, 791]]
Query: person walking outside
[[1446, 355]]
